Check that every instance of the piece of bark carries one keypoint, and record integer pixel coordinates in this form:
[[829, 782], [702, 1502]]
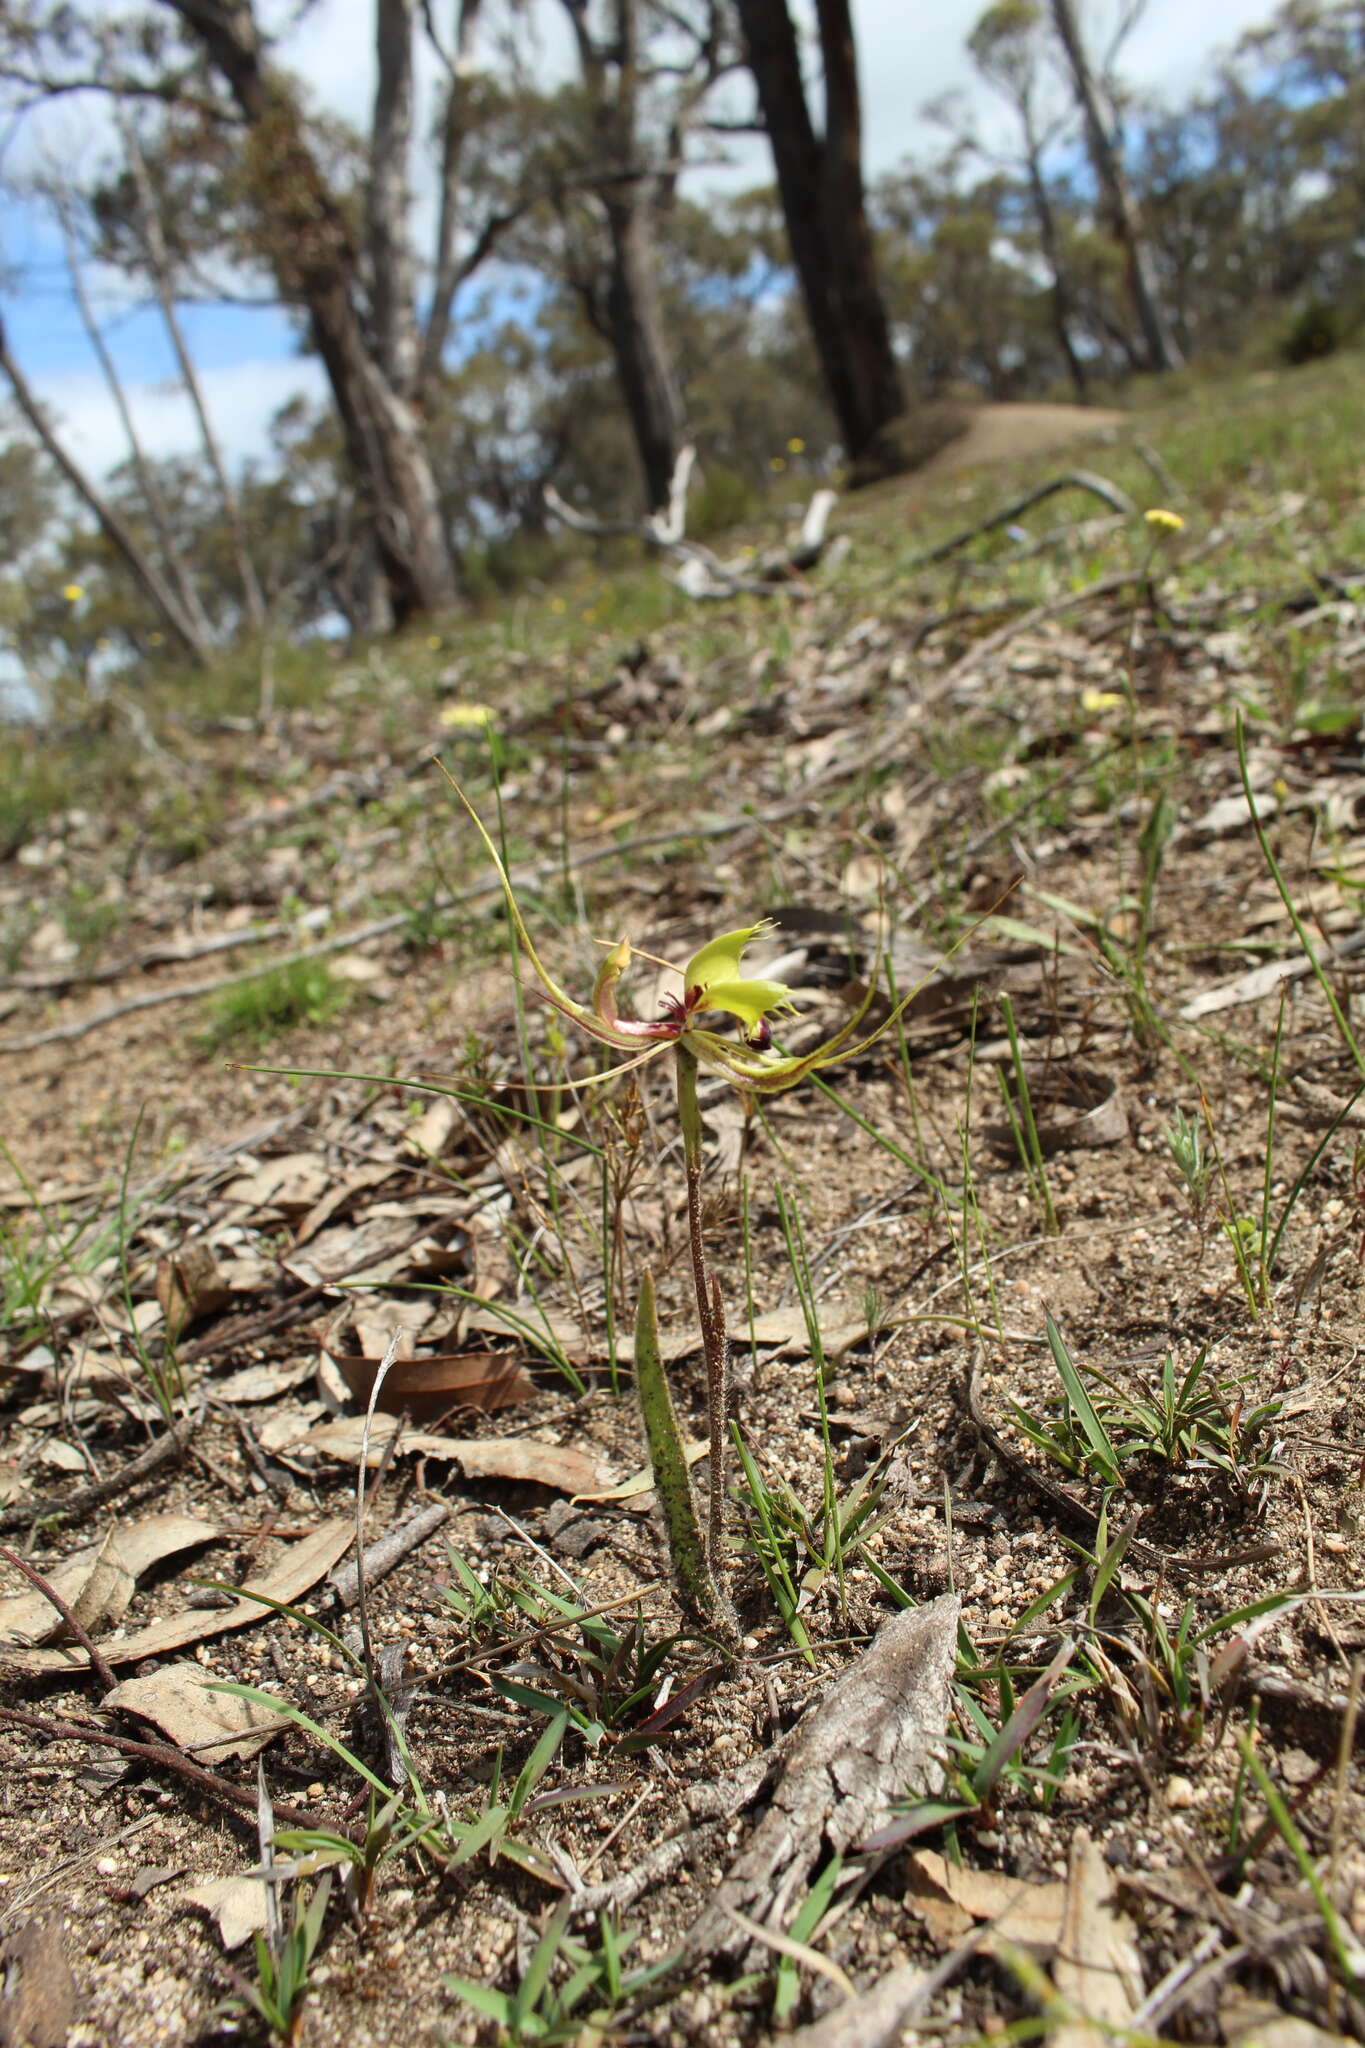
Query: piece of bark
[[38, 2000], [871, 1739]]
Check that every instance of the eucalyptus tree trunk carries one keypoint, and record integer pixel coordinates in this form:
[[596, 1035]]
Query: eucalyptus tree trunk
[[119, 535], [1050, 242], [157, 510], [388, 198], [447, 269], [159, 264], [644, 367], [631, 318], [307, 241], [820, 183], [1161, 349]]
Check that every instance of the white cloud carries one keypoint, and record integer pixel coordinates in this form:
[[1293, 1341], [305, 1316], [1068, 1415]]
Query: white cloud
[[241, 401]]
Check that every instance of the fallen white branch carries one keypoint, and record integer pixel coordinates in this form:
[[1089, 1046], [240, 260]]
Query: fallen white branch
[[700, 572]]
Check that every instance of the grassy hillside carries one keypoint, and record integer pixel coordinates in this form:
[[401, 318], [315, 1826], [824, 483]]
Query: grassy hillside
[[1047, 1301]]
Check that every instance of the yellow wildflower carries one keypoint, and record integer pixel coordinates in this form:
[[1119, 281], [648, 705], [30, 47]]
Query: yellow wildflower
[[1162, 521], [1100, 700], [796, 446], [465, 717], [778, 463], [73, 592]]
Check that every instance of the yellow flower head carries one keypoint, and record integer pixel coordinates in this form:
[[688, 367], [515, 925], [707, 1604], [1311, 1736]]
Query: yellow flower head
[[466, 717], [73, 592], [1099, 700], [1162, 521], [433, 643], [778, 464], [796, 446]]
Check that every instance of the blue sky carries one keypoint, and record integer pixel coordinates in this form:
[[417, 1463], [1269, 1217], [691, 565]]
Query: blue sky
[[248, 356]]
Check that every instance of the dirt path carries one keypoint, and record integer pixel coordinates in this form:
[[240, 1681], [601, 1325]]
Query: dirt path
[[999, 433]]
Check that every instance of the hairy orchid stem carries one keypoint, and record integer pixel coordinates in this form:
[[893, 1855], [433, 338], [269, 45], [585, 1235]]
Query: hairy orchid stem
[[710, 1308]]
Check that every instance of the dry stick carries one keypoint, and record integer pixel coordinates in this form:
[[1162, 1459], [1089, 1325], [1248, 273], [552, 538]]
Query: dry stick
[[380, 927], [156, 956], [1102, 586], [99, 1664], [1345, 1753], [156, 1753], [137, 1469], [389, 1550], [1280, 1690], [1074, 479]]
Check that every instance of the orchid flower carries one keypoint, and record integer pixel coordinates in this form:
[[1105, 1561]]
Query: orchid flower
[[714, 985]]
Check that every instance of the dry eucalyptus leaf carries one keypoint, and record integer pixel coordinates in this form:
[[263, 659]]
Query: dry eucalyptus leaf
[[260, 1383], [338, 1197], [64, 1457], [293, 1573], [380, 1249], [1250, 987], [189, 1284], [98, 1582], [1256, 2023], [783, 1330], [949, 1898], [874, 2019], [637, 1492], [1098, 1966], [212, 1726], [238, 1904], [566, 1332], [428, 1388], [429, 1136], [516, 1458], [294, 1181]]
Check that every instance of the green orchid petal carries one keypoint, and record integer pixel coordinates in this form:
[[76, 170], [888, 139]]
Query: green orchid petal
[[748, 999], [558, 996], [608, 974], [719, 960]]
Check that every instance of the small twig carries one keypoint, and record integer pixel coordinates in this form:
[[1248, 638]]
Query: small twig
[[389, 1550], [155, 1753], [1280, 1690], [380, 927], [1345, 1754], [98, 1663], [1074, 480], [24, 1514]]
